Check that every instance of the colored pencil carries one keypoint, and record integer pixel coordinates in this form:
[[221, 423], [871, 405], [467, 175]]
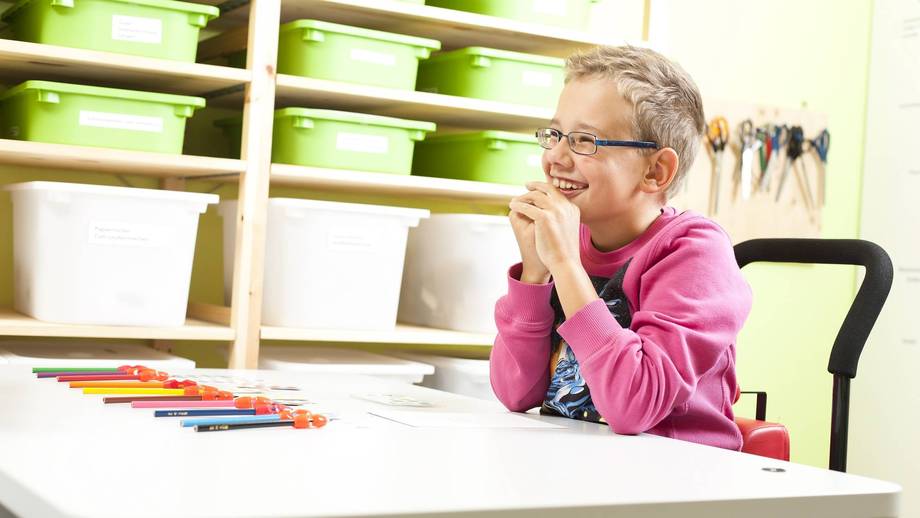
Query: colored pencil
[[99, 377], [55, 374], [242, 426], [215, 403], [75, 369], [118, 384], [178, 412], [137, 391], [206, 421], [131, 399]]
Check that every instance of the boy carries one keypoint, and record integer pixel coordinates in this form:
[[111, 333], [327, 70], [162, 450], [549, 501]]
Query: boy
[[623, 310]]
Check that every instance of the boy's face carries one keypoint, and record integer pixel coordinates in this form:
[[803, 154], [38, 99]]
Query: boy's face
[[606, 183]]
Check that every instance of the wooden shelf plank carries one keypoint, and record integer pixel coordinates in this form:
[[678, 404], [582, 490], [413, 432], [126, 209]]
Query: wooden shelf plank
[[16, 324], [446, 110], [337, 180], [80, 158], [454, 29], [20, 61], [403, 334]]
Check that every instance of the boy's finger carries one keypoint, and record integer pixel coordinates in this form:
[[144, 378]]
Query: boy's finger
[[547, 188], [538, 198], [526, 209]]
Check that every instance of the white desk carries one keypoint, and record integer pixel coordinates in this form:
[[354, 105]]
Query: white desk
[[66, 454]]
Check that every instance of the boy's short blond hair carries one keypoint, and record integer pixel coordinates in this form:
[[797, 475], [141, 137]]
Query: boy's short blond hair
[[667, 105]]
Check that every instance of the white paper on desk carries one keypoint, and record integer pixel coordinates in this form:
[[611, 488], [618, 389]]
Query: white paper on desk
[[425, 419]]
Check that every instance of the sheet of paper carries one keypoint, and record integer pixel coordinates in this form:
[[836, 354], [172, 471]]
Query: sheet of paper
[[427, 419]]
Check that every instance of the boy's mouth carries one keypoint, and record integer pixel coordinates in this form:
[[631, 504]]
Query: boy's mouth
[[569, 187]]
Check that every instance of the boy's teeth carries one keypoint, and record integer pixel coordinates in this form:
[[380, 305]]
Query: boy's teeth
[[556, 182]]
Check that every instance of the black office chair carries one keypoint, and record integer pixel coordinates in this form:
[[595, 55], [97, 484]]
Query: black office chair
[[850, 339]]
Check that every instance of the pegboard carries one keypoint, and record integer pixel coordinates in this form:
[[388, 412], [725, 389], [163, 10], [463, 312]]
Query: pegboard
[[761, 215]]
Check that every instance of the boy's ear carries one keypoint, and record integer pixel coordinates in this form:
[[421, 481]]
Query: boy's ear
[[661, 171]]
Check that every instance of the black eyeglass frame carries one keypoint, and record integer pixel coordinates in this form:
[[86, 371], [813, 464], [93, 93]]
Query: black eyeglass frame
[[642, 144]]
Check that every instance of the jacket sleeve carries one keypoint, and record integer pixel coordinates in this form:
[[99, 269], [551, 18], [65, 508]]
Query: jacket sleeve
[[691, 304], [519, 363]]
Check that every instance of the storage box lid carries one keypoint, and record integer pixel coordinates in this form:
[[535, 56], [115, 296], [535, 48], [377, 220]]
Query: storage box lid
[[380, 210], [361, 32], [473, 219], [98, 91], [531, 59], [338, 360], [356, 118], [465, 366], [210, 11], [107, 190], [484, 135], [66, 354]]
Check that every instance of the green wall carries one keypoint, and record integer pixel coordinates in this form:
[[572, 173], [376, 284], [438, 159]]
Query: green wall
[[811, 54]]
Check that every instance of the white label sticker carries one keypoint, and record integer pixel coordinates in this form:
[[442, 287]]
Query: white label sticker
[[362, 143], [537, 78], [120, 233], [554, 7], [377, 58], [349, 240], [138, 30], [534, 161], [121, 121]]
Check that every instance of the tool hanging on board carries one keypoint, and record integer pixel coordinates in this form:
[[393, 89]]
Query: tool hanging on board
[[749, 144], [794, 150], [779, 137], [717, 135], [820, 145]]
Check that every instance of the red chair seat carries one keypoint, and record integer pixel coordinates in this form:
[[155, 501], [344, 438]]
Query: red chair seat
[[764, 438]]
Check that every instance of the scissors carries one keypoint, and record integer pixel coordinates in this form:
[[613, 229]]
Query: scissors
[[749, 144], [779, 138], [717, 135], [794, 148], [820, 145]]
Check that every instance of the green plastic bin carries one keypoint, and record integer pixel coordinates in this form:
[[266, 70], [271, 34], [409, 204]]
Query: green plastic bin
[[485, 156], [339, 140], [153, 28], [496, 75], [62, 113], [572, 14], [335, 52]]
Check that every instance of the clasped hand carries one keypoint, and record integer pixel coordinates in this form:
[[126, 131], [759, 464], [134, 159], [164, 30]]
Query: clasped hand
[[545, 224]]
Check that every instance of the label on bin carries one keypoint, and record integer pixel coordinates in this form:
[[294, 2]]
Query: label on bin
[[370, 56], [554, 7], [349, 239], [121, 233], [361, 143], [536, 78], [138, 30], [121, 121]]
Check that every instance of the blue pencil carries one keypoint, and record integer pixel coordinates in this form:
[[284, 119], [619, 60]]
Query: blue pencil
[[206, 421], [203, 412]]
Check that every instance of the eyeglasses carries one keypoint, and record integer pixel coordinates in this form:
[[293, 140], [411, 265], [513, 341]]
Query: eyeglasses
[[585, 143]]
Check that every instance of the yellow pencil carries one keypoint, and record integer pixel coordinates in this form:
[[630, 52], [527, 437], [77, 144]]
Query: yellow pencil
[[118, 390]]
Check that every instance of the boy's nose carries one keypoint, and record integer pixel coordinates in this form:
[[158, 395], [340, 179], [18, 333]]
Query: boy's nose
[[560, 154]]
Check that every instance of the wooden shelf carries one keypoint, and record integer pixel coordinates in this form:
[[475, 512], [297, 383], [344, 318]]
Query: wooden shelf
[[447, 110], [403, 334], [454, 29], [16, 324], [80, 158], [337, 180], [21, 61]]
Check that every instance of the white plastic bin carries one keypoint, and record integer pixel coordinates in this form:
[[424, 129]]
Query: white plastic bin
[[456, 269], [90, 254], [328, 360], [457, 375], [328, 265], [64, 354]]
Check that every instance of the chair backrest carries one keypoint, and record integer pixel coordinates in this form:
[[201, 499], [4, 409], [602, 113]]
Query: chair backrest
[[852, 336]]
